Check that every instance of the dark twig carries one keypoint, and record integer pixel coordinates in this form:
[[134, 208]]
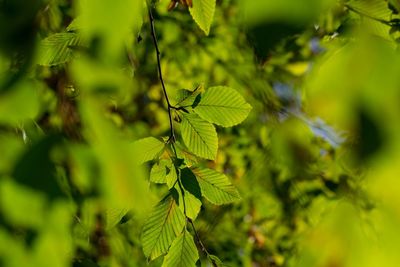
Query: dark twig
[[158, 54], [203, 248]]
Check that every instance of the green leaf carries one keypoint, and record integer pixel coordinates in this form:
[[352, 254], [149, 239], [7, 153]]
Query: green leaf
[[159, 171], [215, 186], [14, 107], [163, 225], [58, 48], [223, 106], [192, 194], [202, 12], [186, 98], [183, 153], [183, 252], [148, 148], [215, 261], [164, 172], [191, 204], [172, 176], [199, 136]]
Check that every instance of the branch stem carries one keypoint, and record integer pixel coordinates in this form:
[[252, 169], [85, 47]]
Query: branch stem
[[160, 75]]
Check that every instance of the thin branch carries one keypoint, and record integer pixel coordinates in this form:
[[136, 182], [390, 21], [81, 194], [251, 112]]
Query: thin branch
[[172, 133], [203, 248], [158, 54]]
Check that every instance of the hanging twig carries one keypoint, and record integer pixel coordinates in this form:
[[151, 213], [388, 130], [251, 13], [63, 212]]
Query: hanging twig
[[172, 133], [158, 54]]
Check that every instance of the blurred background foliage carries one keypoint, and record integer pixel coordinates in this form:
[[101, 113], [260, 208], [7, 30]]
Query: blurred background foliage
[[315, 162]]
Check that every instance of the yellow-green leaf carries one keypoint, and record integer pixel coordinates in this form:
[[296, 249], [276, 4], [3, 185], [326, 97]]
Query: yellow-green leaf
[[164, 224], [199, 136], [183, 252], [223, 106], [215, 186], [202, 12]]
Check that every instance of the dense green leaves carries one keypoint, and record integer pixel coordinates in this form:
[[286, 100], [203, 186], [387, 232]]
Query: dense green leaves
[[203, 13], [199, 136], [163, 225], [223, 106], [148, 148], [95, 84], [183, 252], [215, 186]]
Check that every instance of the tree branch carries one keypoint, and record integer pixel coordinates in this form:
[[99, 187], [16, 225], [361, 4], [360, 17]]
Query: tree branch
[[172, 133]]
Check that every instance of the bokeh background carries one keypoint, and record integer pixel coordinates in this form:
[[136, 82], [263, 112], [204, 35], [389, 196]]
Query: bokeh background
[[317, 162]]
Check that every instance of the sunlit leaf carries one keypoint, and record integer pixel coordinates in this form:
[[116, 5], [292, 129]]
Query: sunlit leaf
[[223, 106], [148, 148], [158, 172], [183, 252], [199, 136], [215, 186], [202, 12], [163, 225]]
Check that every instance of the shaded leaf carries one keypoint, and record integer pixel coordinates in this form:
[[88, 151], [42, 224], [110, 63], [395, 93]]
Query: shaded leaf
[[189, 158], [36, 169], [58, 48], [215, 261], [186, 98]]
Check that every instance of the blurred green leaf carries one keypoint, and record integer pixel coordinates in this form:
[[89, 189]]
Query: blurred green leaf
[[148, 148]]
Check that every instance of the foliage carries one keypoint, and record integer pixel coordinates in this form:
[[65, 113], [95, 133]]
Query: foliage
[[199, 133]]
